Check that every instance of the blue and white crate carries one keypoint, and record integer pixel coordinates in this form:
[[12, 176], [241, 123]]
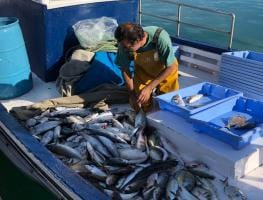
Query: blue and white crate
[[213, 121], [213, 95]]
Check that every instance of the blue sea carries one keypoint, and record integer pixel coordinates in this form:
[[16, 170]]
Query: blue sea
[[248, 34]]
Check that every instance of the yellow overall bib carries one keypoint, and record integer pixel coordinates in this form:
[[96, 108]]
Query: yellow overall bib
[[147, 67]]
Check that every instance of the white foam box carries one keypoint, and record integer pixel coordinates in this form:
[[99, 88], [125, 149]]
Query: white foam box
[[220, 157]]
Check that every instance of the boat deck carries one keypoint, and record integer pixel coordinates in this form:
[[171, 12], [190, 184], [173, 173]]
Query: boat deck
[[252, 183]]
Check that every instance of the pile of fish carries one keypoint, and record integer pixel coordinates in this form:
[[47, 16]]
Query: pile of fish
[[117, 152]]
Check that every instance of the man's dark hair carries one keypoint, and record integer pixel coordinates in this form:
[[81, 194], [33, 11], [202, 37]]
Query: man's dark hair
[[130, 32]]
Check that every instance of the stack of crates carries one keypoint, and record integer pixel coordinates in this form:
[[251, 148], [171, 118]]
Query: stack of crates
[[243, 70]]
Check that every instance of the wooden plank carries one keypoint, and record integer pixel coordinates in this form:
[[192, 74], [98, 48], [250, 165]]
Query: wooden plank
[[206, 65], [201, 52]]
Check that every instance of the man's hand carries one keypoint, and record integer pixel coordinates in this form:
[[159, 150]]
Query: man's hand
[[144, 95]]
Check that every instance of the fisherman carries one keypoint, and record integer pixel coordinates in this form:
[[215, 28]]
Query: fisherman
[[156, 68]]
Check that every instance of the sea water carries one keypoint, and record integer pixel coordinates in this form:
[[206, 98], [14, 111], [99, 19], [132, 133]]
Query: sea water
[[14, 184], [248, 30]]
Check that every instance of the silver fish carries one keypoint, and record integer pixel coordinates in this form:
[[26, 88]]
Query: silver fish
[[155, 154], [184, 194], [148, 193], [117, 124], [31, 122], [178, 100], [57, 132], [108, 192], [162, 179], [119, 133], [64, 150], [96, 172], [233, 192], [151, 180], [105, 116], [62, 112], [157, 193], [82, 149], [106, 133], [47, 137], [95, 156], [158, 153], [141, 141], [98, 125], [156, 167], [111, 147], [124, 162], [172, 188], [79, 167], [140, 119], [130, 177], [202, 193], [111, 179], [128, 196], [201, 173], [43, 114], [128, 127], [74, 119], [186, 179], [98, 146], [41, 128], [194, 98], [132, 154], [44, 119], [119, 170], [211, 190]]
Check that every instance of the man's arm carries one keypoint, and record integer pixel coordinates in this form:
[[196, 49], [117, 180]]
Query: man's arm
[[129, 84], [128, 79], [145, 93]]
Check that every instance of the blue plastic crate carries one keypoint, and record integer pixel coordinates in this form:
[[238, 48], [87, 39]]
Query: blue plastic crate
[[213, 95], [213, 121]]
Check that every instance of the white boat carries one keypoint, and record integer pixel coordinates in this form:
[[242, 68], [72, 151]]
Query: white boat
[[198, 63]]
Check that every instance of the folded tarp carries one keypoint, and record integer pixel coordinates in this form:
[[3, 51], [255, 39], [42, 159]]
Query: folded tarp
[[113, 94]]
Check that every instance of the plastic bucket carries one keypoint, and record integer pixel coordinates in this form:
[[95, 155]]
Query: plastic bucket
[[15, 75]]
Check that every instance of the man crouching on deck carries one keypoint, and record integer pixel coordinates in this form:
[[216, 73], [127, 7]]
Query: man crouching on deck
[[156, 68]]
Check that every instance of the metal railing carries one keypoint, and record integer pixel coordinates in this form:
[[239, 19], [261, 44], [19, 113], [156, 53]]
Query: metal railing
[[229, 33]]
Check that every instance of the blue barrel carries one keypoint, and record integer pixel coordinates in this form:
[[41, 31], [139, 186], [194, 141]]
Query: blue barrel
[[15, 75]]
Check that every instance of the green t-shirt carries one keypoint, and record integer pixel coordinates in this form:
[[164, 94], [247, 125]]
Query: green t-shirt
[[163, 46]]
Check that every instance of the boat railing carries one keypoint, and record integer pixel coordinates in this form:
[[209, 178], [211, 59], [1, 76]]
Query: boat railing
[[179, 21], [190, 56]]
